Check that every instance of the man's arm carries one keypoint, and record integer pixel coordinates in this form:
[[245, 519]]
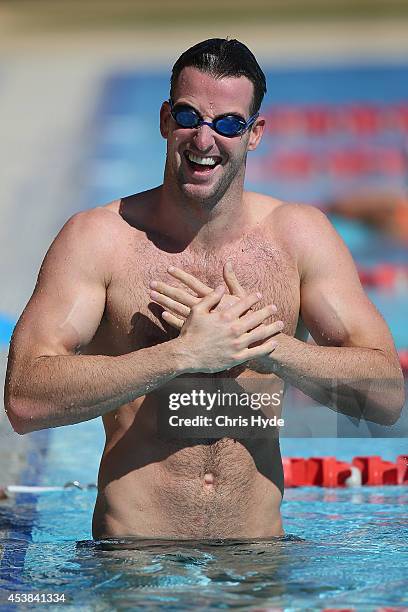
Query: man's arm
[[48, 384], [354, 366]]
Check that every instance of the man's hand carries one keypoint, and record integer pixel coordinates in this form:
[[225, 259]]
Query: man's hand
[[219, 340], [178, 302]]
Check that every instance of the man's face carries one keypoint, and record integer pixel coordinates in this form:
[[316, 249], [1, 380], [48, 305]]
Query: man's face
[[225, 157]]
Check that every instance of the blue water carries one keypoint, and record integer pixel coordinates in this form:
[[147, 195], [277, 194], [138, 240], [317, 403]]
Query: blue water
[[351, 541], [6, 329], [339, 543]]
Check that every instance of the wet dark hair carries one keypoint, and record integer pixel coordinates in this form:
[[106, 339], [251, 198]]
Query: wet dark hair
[[220, 58]]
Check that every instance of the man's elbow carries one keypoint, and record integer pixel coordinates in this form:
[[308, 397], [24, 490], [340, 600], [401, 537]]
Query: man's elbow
[[19, 425], [390, 410], [19, 416], [393, 412], [399, 402], [388, 417]]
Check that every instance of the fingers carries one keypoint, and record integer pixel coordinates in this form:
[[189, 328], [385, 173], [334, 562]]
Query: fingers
[[190, 281], [170, 304], [242, 306], [172, 320], [258, 351], [210, 301], [253, 319], [231, 281], [263, 332], [179, 295]]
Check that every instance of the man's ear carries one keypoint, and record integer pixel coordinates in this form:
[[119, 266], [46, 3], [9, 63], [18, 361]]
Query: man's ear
[[255, 133], [165, 117]]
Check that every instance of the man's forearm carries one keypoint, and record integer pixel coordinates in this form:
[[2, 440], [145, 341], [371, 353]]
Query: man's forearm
[[66, 389], [359, 382]]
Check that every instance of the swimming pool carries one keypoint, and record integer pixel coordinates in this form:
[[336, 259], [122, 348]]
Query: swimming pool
[[345, 547]]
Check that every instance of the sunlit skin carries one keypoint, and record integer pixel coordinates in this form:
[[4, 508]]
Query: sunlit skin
[[195, 199]]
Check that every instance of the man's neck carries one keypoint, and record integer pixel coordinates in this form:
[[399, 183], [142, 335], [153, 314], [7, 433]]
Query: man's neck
[[202, 225]]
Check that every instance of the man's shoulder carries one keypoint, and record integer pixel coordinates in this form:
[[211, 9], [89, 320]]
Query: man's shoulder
[[117, 220], [305, 217], [307, 232], [90, 234], [104, 213], [290, 215], [99, 221]]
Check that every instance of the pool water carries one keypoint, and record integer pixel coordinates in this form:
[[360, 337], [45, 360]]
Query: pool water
[[344, 547]]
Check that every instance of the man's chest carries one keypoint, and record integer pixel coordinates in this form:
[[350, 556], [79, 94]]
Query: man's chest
[[135, 322]]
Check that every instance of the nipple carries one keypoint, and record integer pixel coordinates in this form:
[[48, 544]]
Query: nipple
[[209, 481]]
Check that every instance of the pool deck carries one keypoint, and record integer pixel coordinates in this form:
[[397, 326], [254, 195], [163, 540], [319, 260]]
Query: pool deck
[[48, 86]]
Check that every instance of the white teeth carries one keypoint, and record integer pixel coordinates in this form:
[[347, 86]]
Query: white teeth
[[203, 161]]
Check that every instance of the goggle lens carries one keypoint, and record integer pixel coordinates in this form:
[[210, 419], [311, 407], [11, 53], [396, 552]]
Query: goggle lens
[[186, 118], [229, 126]]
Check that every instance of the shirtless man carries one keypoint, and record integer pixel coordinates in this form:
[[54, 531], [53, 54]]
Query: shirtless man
[[92, 342]]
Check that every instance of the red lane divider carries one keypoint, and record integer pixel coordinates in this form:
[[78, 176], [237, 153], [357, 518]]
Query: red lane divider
[[339, 610], [403, 357], [375, 471], [330, 472], [369, 120], [388, 276], [301, 163], [402, 466], [295, 472]]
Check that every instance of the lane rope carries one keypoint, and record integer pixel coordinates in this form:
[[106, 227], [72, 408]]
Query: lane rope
[[369, 470]]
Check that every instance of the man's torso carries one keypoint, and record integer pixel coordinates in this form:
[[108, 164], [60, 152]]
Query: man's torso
[[183, 488]]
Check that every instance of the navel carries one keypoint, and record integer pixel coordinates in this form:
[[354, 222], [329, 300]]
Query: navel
[[209, 481]]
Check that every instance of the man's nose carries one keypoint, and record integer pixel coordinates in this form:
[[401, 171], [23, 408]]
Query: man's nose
[[204, 138]]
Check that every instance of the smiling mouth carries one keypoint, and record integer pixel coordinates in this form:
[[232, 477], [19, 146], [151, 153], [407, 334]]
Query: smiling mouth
[[202, 164]]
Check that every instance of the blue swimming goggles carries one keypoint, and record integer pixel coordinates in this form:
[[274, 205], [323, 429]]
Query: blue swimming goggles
[[226, 125]]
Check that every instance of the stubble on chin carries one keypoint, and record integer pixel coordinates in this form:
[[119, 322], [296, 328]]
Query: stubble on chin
[[209, 199]]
